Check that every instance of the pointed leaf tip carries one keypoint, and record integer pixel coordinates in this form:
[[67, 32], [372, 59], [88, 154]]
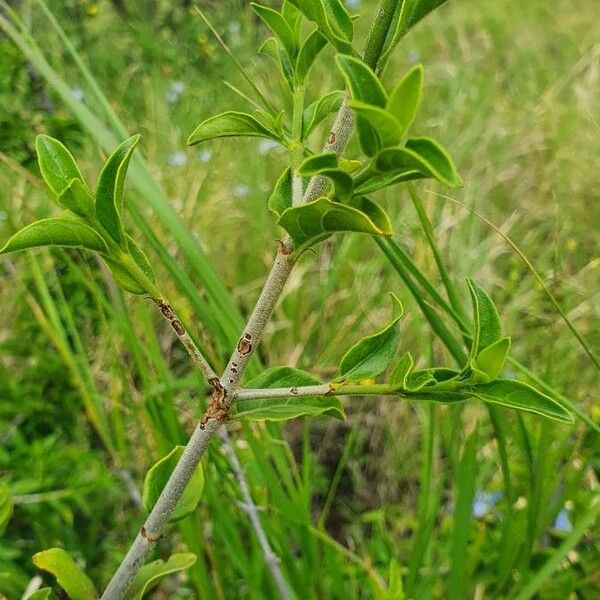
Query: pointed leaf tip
[[109, 191], [57, 165], [231, 124], [372, 355]]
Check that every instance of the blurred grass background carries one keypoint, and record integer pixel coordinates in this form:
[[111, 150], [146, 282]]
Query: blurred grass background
[[93, 387]]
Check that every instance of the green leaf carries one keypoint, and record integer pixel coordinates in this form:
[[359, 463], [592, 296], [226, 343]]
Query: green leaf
[[421, 154], [76, 584], [439, 378], [123, 277], [109, 191], [368, 137], [133, 272], [362, 83], [56, 231], [6, 506], [388, 129], [292, 16], [150, 574], [491, 359], [159, 474], [282, 409], [57, 165], [319, 109], [519, 395], [372, 355], [309, 51], [140, 259], [332, 18], [315, 221], [377, 215], [41, 594], [76, 198], [387, 179], [281, 196], [402, 370], [271, 47], [318, 162], [437, 158], [487, 327], [406, 96], [278, 25], [409, 13], [327, 165], [231, 124]]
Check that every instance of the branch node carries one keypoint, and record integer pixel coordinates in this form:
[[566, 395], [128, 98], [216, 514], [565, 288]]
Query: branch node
[[153, 539]]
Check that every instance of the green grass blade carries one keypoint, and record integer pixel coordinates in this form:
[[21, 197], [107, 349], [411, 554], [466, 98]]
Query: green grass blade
[[582, 341], [465, 485], [547, 570], [427, 228]]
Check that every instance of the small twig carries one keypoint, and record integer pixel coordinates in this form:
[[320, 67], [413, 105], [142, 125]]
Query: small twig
[[193, 350], [323, 389], [131, 487], [271, 559]]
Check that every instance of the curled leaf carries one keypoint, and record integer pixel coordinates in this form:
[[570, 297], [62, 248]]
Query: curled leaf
[[362, 82], [149, 575], [57, 165], [420, 154], [372, 355], [56, 231], [327, 165], [315, 221], [109, 191], [281, 196], [387, 127], [519, 395], [319, 109], [76, 198], [278, 25], [309, 51], [406, 96], [159, 474], [76, 584], [231, 124]]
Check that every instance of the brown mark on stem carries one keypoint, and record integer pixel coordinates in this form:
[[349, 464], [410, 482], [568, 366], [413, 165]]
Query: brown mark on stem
[[244, 346], [331, 138], [217, 408], [178, 327], [284, 249], [294, 391], [330, 391]]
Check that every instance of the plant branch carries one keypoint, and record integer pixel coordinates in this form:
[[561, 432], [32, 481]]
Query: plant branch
[[194, 352], [323, 389], [224, 390], [271, 559], [151, 530]]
